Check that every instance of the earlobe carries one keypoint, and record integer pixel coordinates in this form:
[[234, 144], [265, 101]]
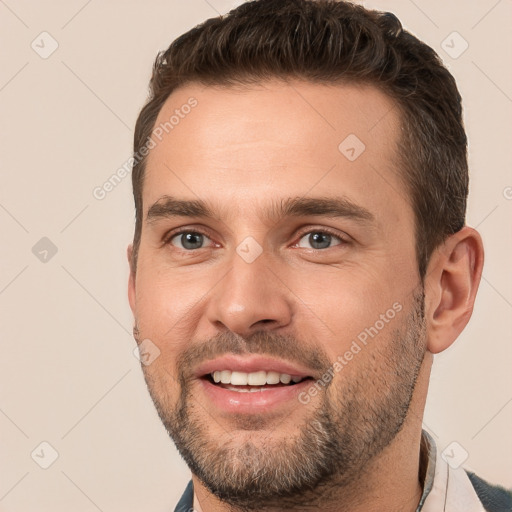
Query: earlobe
[[451, 285]]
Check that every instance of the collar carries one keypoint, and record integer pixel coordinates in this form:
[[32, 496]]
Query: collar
[[446, 487], [428, 456]]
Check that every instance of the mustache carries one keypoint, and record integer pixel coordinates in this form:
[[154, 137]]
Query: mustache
[[265, 343]]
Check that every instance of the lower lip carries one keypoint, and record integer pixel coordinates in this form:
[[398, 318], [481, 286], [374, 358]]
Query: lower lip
[[256, 402]]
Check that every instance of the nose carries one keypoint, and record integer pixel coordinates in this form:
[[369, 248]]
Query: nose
[[250, 297]]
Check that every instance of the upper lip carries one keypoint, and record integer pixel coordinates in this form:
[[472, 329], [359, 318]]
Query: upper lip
[[251, 364]]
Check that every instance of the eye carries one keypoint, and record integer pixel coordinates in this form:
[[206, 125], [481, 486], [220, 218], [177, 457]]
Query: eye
[[188, 240], [320, 239]]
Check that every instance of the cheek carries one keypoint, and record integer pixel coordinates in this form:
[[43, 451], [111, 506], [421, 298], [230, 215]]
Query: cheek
[[345, 304], [169, 303], [161, 302]]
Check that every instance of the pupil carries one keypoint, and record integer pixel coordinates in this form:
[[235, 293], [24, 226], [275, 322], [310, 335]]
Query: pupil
[[192, 240], [320, 240]]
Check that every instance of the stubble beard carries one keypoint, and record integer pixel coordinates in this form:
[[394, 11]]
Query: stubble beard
[[353, 422]]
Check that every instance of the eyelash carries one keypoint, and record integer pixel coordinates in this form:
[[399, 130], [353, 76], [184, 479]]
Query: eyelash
[[343, 240], [167, 239]]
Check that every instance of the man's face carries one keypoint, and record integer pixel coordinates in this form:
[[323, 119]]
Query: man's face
[[306, 258]]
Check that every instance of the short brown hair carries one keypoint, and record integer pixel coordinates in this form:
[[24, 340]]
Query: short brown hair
[[332, 41]]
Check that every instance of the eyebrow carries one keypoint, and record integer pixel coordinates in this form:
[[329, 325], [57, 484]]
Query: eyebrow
[[168, 207]]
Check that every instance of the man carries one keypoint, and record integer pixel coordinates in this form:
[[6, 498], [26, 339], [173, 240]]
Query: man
[[300, 253]]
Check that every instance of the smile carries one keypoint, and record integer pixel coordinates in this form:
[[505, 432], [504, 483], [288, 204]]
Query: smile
[[252, 385], [253, 381]]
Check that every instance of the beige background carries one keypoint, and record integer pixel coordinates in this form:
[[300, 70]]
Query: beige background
[[68, 375]]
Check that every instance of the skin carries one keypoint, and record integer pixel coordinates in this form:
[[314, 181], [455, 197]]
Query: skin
[[239, 150]]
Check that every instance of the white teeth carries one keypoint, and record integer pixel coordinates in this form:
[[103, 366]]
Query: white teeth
[[239, 379], [272, 378], [285, 378], [225, 377], [259, 378]]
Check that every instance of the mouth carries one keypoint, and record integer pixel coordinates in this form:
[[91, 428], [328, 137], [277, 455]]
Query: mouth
[[252, 385], [253, 382]]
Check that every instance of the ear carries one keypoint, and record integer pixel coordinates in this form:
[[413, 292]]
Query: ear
[[451, 283], [131, 279]]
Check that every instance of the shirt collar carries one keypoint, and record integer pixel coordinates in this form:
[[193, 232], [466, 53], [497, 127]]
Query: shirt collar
[[428, 455], [446, 485]]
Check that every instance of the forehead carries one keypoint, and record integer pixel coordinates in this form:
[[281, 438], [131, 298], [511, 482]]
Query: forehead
[[240, 145]]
